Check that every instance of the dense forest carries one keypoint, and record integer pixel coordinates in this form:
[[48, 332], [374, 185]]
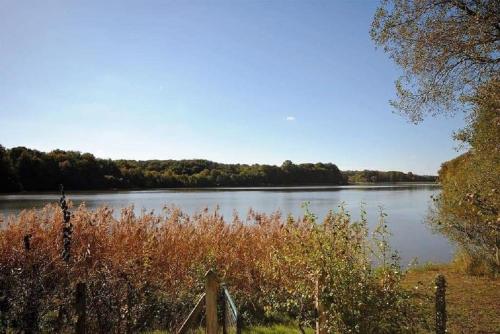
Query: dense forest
[[23, 169]]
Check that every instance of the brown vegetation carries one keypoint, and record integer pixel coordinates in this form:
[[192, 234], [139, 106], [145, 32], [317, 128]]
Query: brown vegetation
[[145, 272]]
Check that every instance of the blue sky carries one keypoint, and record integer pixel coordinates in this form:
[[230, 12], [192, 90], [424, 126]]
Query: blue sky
[[230, 81]]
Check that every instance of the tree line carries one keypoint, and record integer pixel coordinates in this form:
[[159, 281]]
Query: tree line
[[376, 176], [24, 169]]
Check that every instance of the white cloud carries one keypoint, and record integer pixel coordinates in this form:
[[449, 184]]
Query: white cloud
[[290, 118]]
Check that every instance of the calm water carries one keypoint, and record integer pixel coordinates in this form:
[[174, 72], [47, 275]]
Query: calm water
[[406, 206]]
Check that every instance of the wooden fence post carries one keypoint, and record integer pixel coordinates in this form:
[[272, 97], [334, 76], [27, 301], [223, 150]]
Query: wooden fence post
[[212, 294], [224, 310], [4, 306], [128, 328], [320, 308], [80, 307], [440, 304], [239, 325]]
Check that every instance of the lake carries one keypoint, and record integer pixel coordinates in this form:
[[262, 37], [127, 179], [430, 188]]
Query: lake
[[406, 205]]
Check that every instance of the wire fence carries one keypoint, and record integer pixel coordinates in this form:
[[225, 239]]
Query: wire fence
[[231, 319]]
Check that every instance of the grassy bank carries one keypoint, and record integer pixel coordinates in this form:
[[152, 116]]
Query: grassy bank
[[473, 302]]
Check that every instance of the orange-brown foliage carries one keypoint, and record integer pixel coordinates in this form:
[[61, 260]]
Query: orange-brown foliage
[[145, 272], [155, 261]]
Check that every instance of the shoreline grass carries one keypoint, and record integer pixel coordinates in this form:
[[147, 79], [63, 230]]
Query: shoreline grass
[[473, 302]]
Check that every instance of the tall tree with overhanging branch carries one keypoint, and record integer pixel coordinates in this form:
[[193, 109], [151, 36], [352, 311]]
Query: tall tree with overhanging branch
[[446, 48], [449, 51]]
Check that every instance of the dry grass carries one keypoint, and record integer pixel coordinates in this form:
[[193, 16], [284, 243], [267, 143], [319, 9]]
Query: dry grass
[[145, 272], [473, 302], [156, 261]]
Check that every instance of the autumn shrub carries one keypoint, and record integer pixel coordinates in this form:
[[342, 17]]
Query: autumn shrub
[[144, 272]]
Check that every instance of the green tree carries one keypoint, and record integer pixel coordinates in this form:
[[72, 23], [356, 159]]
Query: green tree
[[449, 51], [470, 200]]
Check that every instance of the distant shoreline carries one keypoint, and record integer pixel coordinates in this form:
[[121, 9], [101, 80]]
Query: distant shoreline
[[353, 186], [24, 169]]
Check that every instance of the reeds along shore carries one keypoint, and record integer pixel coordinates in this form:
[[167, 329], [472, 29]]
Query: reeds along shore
[[144, 272]]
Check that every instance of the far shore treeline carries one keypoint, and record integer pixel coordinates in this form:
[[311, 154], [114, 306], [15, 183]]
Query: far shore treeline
[[23, 169]]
